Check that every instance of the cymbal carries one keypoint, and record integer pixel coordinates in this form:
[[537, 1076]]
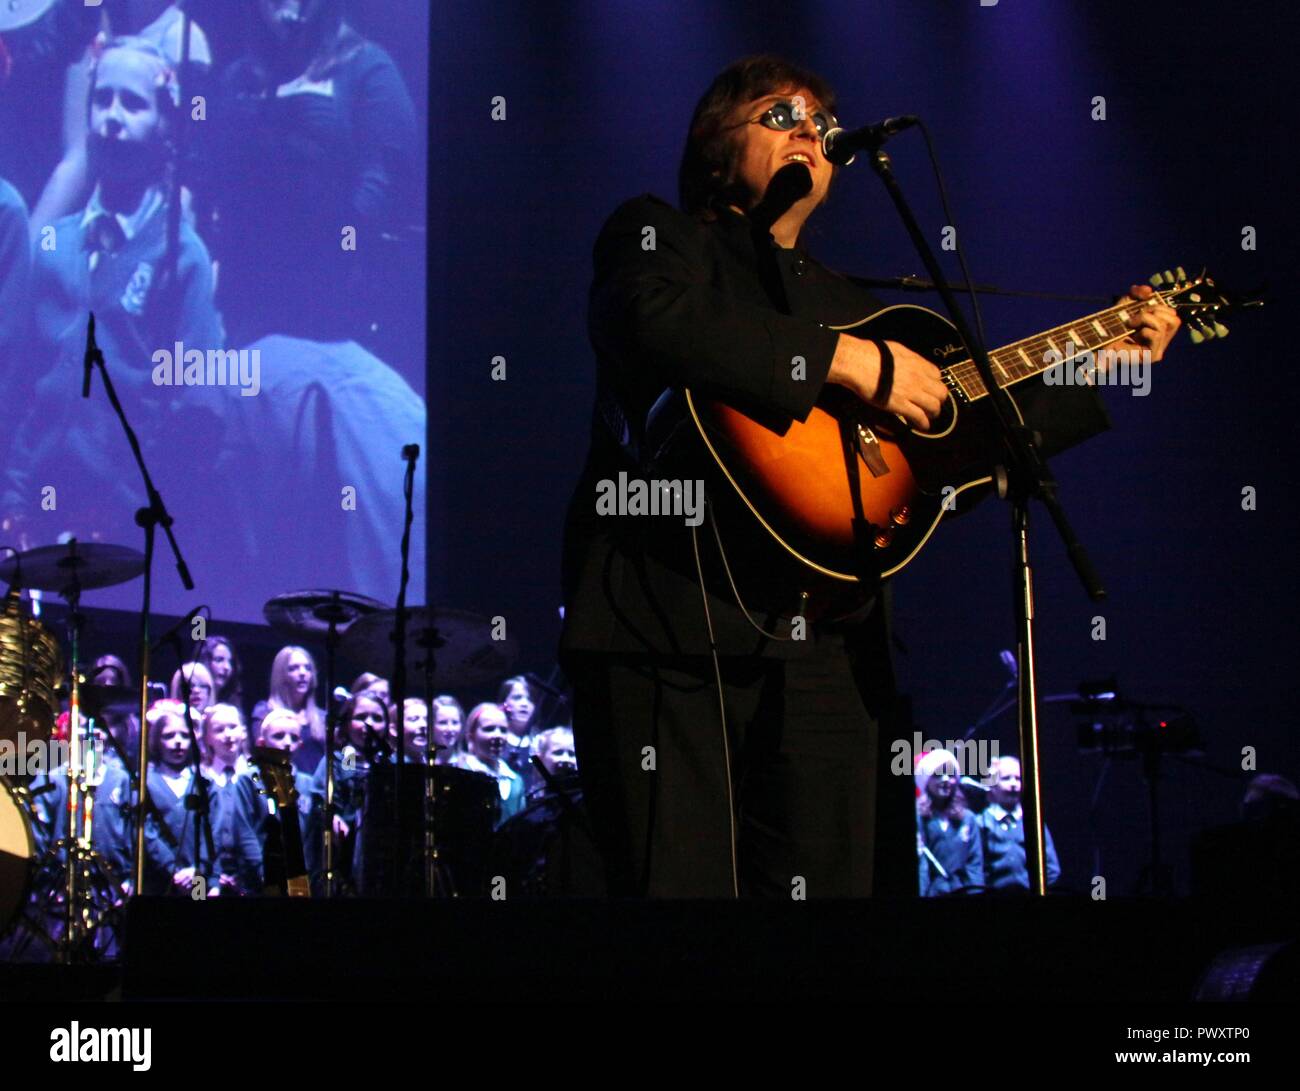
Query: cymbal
[[80, 566], [309, 613], [461, 643]]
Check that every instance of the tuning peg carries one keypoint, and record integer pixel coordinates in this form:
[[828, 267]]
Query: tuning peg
[[1169, 276], [1220, 330], [1157, 280], [1182, 276], [1196, 335], [1205, 329]]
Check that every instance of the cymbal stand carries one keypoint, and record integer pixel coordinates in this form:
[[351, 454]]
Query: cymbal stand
[[76, 833], [333, 614], [438, 882]]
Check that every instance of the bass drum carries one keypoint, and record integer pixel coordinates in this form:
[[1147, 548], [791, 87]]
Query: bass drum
[[546, 850], [17, 854]]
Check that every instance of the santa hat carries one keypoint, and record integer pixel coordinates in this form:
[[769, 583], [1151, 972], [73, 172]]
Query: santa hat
[[930, 763]]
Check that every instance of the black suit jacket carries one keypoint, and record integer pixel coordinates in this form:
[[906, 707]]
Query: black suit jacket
[[715, 305]]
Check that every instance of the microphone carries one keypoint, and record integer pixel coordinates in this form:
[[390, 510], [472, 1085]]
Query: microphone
[[841, 145], [411, 452], [91, 350], [172, 633], [1009, 661]]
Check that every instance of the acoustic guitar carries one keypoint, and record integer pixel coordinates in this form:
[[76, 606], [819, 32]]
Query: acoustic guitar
[[276, 771], [853, 493]]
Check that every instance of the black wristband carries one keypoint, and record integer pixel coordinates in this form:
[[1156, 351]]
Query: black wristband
[[886, 384]]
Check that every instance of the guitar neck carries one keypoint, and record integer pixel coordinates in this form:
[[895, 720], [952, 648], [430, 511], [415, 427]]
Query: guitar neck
[[1032, 356]]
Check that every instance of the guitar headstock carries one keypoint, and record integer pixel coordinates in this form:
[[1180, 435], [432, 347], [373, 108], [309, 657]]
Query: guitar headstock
[[1200, 302], [276, 769]]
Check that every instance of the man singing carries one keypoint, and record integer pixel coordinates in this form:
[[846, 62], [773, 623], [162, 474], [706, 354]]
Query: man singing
[[726, 750]]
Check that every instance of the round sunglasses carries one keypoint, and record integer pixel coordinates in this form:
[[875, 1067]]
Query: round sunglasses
[[787, 114]]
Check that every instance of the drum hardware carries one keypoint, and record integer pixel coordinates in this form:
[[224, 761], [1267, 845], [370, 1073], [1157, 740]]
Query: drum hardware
[[452, 648], [465, 806], [25, 870], [330, 614], [68, 570]]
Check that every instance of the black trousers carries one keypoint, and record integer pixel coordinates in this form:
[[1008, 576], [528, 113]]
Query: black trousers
[[803, 748]]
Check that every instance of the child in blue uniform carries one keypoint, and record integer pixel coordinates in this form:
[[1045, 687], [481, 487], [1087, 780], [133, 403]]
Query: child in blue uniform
[[1002, 833], [109, 258], [365, 719], [482, 747], [948, 839], [172, 865], [282, 730], [223, 741]]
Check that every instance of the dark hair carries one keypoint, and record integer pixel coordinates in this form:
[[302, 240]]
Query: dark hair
[[504, 692], [232, 693], [114, 664], [327, 40], [348, 709], [708, 163]]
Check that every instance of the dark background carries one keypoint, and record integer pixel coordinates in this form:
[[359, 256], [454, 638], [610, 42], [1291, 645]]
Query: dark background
[[1200, 108]]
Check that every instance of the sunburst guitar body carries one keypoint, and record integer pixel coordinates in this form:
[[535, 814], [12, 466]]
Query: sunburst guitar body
[[852, 494]]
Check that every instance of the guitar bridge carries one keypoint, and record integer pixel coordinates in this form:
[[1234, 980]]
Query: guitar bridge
[[869, 450]]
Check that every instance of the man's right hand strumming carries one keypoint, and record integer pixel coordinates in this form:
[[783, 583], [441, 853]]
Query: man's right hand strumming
[[917, 392]]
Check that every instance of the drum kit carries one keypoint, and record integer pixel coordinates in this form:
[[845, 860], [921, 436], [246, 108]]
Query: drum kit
[[428, 825], [79, 899]]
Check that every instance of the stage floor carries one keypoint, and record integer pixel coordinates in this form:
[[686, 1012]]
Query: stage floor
[[1061, 949]]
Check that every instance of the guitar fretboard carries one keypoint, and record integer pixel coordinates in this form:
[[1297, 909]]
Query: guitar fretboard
[[1033, 355]]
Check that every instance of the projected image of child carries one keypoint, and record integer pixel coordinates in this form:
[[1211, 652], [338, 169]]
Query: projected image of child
[[15, 279], [309, 159], [156, 22], [274, 379], [107, 257]]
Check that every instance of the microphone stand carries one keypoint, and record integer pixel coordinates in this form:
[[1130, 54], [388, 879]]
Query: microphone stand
[[197, 800], [410, 455], [172, 248], [1022, 476], [78, 837], [331, 727], [148, 519]]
